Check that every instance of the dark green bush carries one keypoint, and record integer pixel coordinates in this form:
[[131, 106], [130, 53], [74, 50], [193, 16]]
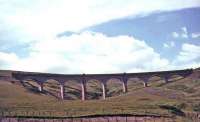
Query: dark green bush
[[181, 106], [196, 107], [173, 110]]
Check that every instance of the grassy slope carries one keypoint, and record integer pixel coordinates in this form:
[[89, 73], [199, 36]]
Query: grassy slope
[[182, 93]]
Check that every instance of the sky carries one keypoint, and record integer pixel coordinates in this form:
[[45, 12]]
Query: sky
[[99, 36]]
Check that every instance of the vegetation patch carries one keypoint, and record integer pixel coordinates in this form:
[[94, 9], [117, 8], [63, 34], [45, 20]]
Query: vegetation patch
[[196, 107], [179, 87], [173, 110], [167, 99], [190, 90], [182, 87], [181, 106], [144, 99]]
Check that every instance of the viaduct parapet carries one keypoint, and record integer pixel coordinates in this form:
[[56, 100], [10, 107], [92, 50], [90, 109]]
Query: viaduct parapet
[[41, 78]]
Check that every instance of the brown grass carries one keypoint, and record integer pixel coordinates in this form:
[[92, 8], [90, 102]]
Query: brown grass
[[139, 100]]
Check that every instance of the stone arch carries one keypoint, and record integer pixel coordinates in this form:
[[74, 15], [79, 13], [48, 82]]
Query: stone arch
[[31, 84], [146, 80], [155, 77], [134, 83], [155, 80], [72, 89], [114, 86], [174, 77], [93, 88], [51, 87]]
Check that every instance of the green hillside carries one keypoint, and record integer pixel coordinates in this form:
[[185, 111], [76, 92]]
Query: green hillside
[[179, 96]]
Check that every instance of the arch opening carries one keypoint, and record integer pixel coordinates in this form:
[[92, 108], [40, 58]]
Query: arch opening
[[134, 83], [93, 89], [114, 87], [175, 77], [155, 81], [72, 90], [31, 85], [52, 87]]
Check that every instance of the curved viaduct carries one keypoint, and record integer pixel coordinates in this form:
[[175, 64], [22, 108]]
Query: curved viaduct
[[41, 78]]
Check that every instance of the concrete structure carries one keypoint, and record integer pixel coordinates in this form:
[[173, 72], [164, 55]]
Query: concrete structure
[[40, 78], [40, 88], [62, 90]]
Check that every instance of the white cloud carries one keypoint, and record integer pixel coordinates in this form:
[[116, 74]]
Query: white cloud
[[39, 19], [182, 34], [184, 29], [7, 60], [91, 53], [189, 56], [195, 35], [165, 45], [169, 44], [175, 34], [189, 52]]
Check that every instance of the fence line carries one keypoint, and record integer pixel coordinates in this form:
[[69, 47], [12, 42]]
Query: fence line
[[10, 116], [45, 116], [98, 119]]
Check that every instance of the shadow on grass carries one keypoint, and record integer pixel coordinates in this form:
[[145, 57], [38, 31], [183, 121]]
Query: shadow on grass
[[170, 81], [173, 110], [68, 87], [33, 89], [93, 95], [72, 92], [114, 93], [50, 93]]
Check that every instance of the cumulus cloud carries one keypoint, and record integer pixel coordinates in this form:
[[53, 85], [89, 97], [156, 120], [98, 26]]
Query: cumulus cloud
[[189, 56], [189, 52], [169, 44], [44, 18], [182, 34], [7, 60], [195, 35], [175, 34], [89, 52]]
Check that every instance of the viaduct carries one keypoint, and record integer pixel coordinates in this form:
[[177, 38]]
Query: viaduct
[[41, 78]]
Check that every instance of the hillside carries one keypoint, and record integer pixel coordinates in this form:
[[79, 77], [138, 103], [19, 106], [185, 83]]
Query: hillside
[[179, 96]]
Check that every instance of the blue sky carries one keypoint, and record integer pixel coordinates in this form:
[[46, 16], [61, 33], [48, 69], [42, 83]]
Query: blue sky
[[99, 36], [157, 29]]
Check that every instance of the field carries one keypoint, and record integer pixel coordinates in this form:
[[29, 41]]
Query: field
[[176, 98]]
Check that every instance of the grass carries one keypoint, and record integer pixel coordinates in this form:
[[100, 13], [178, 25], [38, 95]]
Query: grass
[[180, 95]]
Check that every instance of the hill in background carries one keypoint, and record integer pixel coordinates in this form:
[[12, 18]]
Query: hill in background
[[178, 97]]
